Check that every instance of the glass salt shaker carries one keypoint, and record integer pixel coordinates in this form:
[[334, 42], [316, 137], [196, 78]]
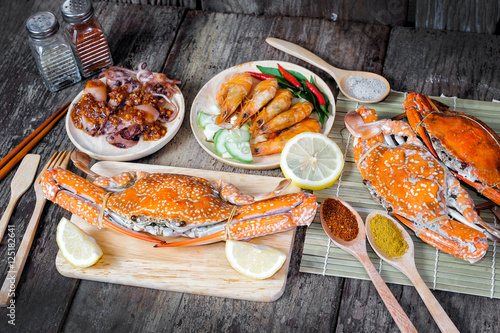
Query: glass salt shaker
[[53, 55], [86, 36]]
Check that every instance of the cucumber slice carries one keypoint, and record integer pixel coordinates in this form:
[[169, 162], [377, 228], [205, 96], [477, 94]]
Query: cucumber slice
[[245, 133], [204, 119], [219, 139], [239, 135], [240, 151]]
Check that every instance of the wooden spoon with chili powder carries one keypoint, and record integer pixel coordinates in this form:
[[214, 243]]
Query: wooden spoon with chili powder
[[331, 215], [406, 264]]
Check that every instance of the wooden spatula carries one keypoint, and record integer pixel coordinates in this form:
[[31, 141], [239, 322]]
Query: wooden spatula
[[20, 183]]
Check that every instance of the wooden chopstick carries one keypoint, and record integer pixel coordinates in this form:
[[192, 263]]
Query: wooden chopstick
[[12, 158]]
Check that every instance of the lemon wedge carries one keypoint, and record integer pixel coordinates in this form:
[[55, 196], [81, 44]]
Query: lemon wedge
[[254, 261], [78, 248], [312, 161]]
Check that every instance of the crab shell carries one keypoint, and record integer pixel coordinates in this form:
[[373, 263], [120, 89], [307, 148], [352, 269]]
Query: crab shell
[[167, 196], [409, 182], [464, 143]]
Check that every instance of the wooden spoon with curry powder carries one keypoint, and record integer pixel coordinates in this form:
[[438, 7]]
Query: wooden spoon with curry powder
[[357, 248], [406, 264]]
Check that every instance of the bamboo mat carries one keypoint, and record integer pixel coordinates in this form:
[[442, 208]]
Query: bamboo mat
[[438, 269]]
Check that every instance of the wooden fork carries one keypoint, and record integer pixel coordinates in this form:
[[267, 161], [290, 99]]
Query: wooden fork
[[59, 159]]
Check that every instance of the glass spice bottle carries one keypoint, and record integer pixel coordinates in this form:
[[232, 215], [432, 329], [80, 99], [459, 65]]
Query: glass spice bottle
[[86, 36], [54, 58]]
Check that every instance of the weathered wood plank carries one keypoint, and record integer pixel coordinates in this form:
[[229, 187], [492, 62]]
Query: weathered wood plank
[[367, 11], [391, 13], [362, 309], [43, 295], [379, 12], [189, 4], [444, 62], [464, 15]]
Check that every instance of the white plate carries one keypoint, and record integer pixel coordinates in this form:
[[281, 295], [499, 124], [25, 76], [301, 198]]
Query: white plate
[[206, 99], [100, 149]]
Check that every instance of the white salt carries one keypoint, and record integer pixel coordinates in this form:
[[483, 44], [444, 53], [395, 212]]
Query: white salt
[[364, 89]]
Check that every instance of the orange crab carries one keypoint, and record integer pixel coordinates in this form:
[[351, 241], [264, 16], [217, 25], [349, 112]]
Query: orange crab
[[141, 204], [466, 145], [412, 184]]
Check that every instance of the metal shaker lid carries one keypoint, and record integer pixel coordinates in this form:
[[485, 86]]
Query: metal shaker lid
[[76, 10], [42, 25]]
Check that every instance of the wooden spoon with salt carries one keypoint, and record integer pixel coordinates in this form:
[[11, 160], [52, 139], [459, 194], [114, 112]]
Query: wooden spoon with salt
[[406, 264], [357, 248], [341, 76]]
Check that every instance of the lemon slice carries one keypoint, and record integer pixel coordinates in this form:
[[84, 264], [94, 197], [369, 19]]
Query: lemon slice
[[312, 161], [78, 248], [254, 261]]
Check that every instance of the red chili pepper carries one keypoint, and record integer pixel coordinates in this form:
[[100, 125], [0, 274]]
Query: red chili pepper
[[289, 77], [261, 76], [319, 96]]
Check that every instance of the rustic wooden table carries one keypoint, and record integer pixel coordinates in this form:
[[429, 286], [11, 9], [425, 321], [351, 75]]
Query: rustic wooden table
[[194, 46]]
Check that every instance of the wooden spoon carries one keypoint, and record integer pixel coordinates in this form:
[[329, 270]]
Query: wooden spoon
[[357, 247], [20, 183], [406, 264], [340, 75]]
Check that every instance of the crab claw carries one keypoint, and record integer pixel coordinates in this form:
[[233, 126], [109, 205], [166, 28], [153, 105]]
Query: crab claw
[[301, 215], [83, 199], [232, 194], [358, 128], [458, 241], [120, 181], [465, 144]]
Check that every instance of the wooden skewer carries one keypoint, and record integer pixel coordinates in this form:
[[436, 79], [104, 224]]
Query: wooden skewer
[[12, 158]]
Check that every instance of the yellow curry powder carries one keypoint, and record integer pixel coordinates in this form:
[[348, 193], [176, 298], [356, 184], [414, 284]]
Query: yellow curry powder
[[387, 236]]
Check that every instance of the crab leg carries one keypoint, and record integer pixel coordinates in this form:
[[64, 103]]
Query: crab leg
[[298, 216], [87, 204], [412, 103], [273, 206], [491, 193], [90, 213], [240, 231]]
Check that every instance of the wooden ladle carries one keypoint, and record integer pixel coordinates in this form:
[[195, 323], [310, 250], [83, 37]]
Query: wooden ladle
[[406, 264], [339, 75], [357, 248]]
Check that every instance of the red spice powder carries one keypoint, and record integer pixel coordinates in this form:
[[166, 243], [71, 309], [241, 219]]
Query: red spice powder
[[340, 220]]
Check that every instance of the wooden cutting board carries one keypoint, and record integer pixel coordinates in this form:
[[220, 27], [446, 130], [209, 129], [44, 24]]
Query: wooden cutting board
[[200, 270]]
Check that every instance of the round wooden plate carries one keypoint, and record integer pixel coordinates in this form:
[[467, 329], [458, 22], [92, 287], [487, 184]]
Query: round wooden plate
[[205, 100]]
